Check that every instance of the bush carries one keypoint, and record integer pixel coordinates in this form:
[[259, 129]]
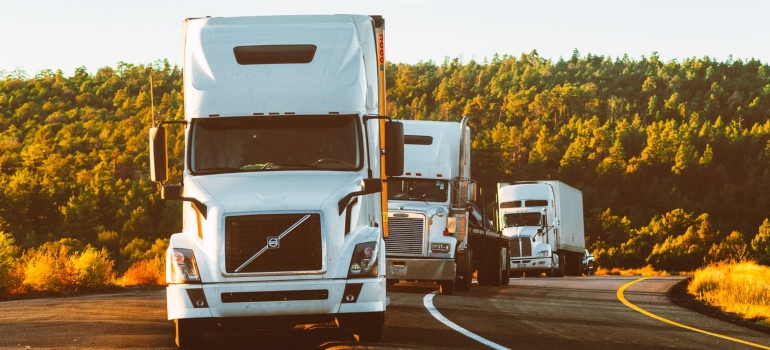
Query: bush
[[146, 272], [57, 267], [93, 268], [47, 268]]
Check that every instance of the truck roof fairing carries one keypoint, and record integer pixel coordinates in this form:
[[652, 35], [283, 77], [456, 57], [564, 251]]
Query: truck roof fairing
[[341, 75]]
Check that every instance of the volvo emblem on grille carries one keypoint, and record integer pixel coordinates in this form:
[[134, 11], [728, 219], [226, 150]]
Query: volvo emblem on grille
[[273, 242]]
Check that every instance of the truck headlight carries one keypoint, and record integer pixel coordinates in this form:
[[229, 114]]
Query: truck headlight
[[184, 269], [364, 260], [545, 253], [440, 247]]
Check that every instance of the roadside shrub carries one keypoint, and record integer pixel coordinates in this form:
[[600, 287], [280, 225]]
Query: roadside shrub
[[59, 267], [148, 262], [145, 272], [92, 268]]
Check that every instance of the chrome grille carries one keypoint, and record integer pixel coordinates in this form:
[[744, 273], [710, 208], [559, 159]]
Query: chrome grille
[[521, 247], [405, 236], [300, 249]]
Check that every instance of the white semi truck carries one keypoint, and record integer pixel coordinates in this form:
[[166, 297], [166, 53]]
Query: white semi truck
[[435, 231], [545, 220], [287, 149]]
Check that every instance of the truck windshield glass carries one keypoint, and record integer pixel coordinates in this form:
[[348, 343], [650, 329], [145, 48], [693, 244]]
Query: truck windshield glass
[[522, 219], [285, 142], [417, 190]]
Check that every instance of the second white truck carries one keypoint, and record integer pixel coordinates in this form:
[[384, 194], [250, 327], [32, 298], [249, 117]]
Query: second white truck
[[545, 220], [435, 231]]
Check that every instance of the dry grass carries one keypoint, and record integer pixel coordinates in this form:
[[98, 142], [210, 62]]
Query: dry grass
[[644, 271], [739, 288]]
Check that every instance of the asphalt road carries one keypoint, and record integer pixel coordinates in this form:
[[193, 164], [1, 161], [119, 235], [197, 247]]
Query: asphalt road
[[530, 313]]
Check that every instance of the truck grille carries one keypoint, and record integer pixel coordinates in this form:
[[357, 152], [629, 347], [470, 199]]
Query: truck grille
[[521, 247], [405, 236], [300, 249]]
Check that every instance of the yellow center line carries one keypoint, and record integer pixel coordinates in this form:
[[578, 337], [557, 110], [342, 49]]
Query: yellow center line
[[650, 314]]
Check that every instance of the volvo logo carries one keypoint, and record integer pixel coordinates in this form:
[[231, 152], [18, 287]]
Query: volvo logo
[[273, 242]]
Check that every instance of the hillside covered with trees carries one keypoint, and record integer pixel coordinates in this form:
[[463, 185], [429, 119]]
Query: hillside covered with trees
[[673, 158]]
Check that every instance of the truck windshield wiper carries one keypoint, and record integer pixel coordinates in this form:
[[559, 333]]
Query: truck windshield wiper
[[273, 166]]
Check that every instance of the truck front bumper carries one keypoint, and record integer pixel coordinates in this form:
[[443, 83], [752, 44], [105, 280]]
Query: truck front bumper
[[282, 298], [524, 264], [420, 269]]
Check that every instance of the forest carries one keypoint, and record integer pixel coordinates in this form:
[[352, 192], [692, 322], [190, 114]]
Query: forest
[[673, 158]]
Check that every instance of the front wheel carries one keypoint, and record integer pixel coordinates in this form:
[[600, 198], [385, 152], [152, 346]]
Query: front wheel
[[368, 327], [189, 334], [505, 274], [464, 271], [447, 287]]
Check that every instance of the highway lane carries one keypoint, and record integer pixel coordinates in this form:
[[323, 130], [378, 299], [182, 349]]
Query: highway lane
[[530, 313]]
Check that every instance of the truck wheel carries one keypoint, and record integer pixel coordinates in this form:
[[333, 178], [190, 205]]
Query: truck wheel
[[465, 272], [493, 264], [559, 272], [447, 287], [505, 274], [189, 334], [369, 330]]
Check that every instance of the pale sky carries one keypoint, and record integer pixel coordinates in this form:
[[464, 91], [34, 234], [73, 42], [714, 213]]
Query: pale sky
[[56, 34]]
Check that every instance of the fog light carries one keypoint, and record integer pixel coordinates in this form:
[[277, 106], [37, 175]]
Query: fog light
[[350, 297]]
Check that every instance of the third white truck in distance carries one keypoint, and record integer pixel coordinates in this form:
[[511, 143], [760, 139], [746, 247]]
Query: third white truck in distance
[[545, 220], [435, 231]]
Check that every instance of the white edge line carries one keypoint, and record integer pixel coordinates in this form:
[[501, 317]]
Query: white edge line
[[428, 302]]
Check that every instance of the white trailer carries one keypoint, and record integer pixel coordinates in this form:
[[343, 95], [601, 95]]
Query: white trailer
[[285, 139], [545, 220], [435, 231]]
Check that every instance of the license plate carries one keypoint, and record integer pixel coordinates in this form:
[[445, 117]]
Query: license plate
[[521, 266], [398, 270]]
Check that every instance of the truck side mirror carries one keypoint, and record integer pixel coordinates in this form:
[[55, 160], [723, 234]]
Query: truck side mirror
[[371, 186], [394, 148], [158, 154]]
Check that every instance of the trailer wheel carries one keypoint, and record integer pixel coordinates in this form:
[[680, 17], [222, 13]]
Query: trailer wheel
[[189, 334]]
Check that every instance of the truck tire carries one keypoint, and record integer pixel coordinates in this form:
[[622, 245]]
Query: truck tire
[[505, 273], [493, 264], [189, 333], [447, 287], [369, 328], [559, 271], [464, 271]]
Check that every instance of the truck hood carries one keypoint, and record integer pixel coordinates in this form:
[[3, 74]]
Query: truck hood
[[274, 191], [516, 231]]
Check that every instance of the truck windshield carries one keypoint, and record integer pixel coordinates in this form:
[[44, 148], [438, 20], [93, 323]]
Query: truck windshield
[[417, 190], [522, 219], [285, 142]]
